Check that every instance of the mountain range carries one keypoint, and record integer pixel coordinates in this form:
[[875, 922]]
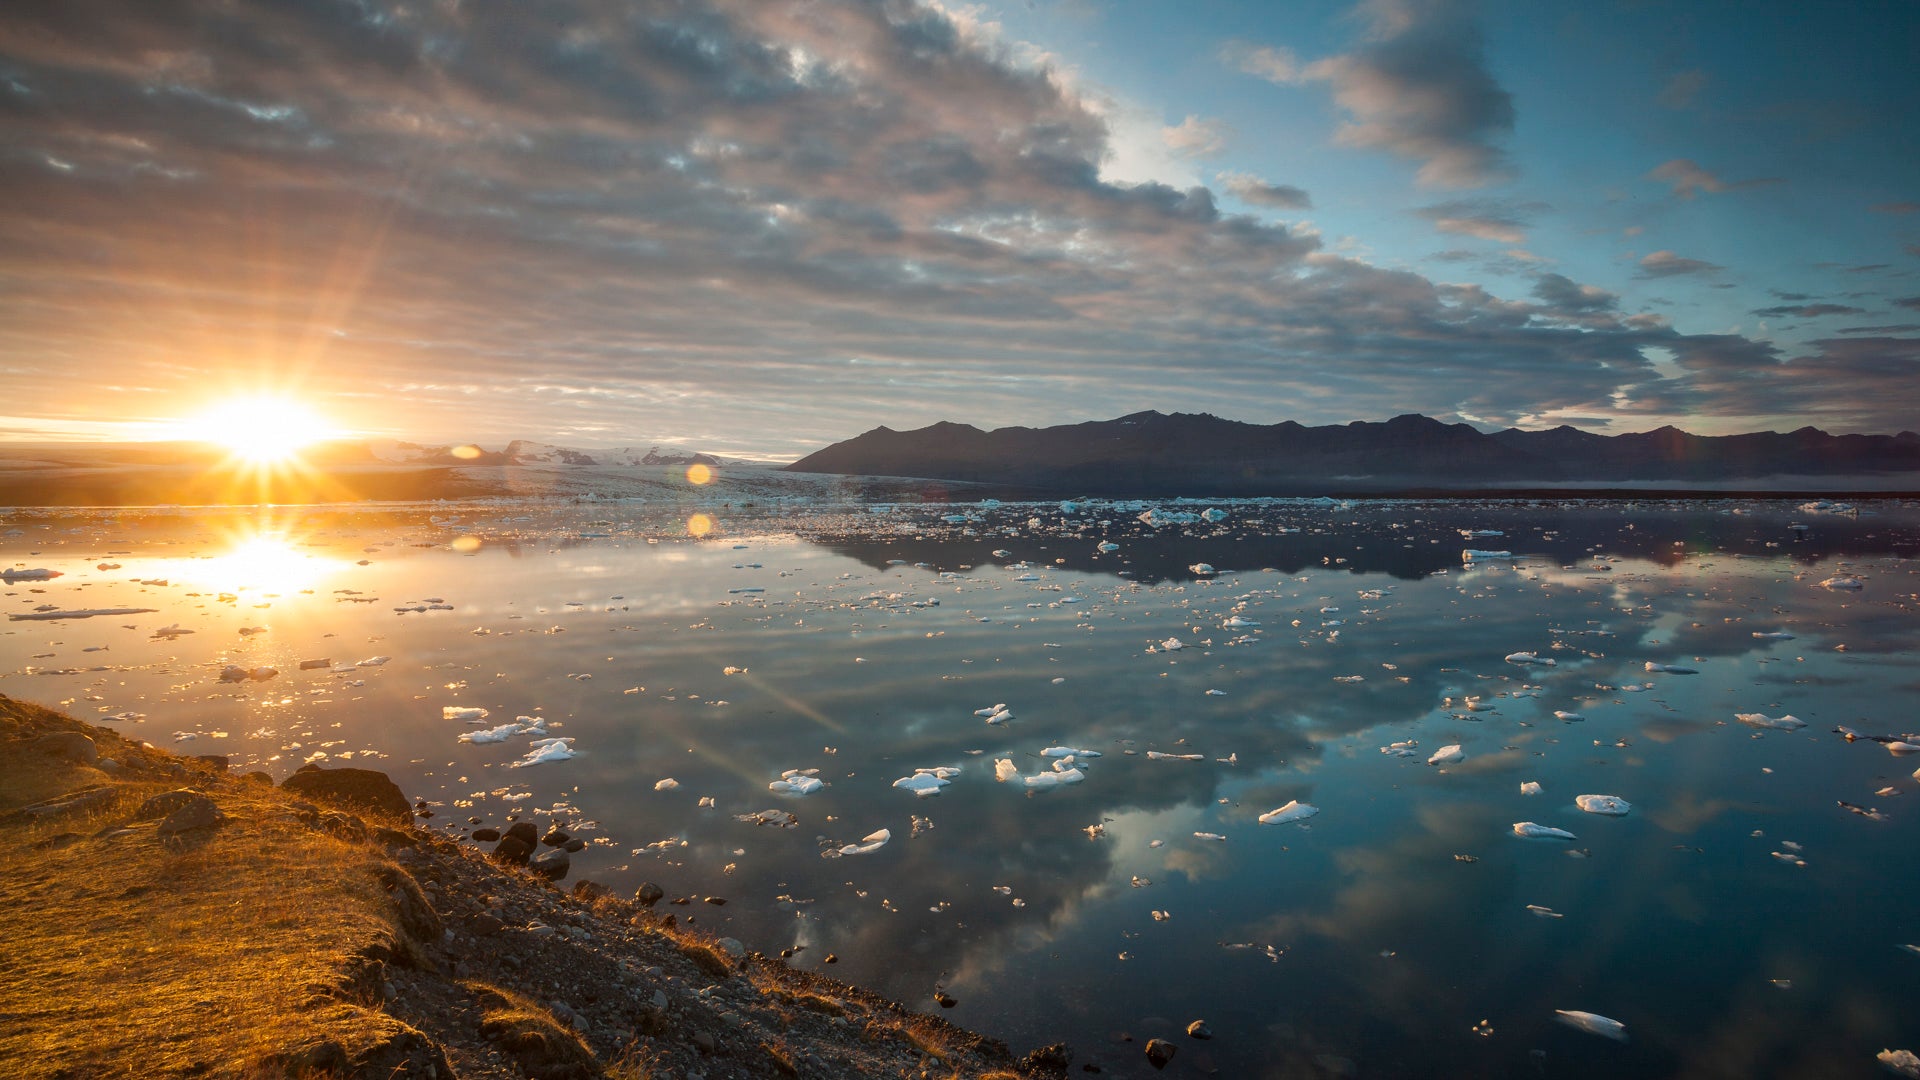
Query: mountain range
[[1150, 453], [525, 452]]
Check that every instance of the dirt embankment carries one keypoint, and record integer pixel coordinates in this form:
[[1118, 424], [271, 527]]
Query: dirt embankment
[[171, 919]]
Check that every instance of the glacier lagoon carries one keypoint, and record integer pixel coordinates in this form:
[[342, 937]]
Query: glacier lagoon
[[1745, 917]]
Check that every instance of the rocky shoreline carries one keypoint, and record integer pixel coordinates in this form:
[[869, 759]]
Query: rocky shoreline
[[469, 964]]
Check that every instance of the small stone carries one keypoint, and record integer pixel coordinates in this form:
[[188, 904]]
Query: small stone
[[1199, 1030], [197, 813], [1159, 1052], [551, 864], [831, 958], [482, 924], [704, 1040], [946, 1000], [589, 890], [574, 846], [717, 901], [648, 894], [71, 745], [732, 947], [525, 833], [659, 999], [512, 849]]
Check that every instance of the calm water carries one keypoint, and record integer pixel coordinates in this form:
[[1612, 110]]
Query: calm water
[[1369, 940]]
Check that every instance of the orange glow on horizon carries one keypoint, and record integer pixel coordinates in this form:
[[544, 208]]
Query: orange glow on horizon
[[260, 429]]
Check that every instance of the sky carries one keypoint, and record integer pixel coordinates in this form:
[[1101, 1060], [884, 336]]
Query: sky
[[754, 227]]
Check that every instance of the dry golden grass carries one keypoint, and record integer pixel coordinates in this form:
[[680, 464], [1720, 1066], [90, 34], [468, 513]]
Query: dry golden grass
[[130, 956], [542, 1045], [707, 957]]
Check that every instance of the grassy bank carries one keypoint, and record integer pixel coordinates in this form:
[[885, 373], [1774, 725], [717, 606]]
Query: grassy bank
[[167, 918]]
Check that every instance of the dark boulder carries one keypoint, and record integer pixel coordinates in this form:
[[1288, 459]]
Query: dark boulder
[[355, 789]]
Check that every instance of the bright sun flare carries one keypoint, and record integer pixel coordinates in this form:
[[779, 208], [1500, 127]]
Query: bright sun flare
[[261, 429]]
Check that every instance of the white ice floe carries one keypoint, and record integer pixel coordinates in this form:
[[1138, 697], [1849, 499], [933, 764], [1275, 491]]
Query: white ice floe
[[1213, 516], [1593, 1023], [1475, 554], [1209, 836], [1672, 669], [1295, 810], [871, 842], [1004, 770], [1155, 755], [78, 613], [546, 750], [1529, 658], [797, 782], [666, 785], [1531, 787], [1603, 804], [1843, 582], [35, 574], [1900, 1062], [1534, 829], [1773, 635], [462, 712], [1203, 569], [1173, 644], [1569, 717], [1058, 777], [1237, 622], [1108, 547], [1761, 720], [373, 661], [1447, 755], [491, 735], [235, 673], [925, 782], [1544, 911], [1068, 752]]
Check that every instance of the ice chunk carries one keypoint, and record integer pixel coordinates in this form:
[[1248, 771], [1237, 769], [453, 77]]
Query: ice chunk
[[1045, 780], [1107, 547], [1213, 516], [1773, 635], [1529, 828], [546, 750], [78, 613], [1155, 755], [373, 661], [871, 842], [1529, 658], [797, 782], [1531, 787], [1761, 720], [1068, 752], [1544, 911], [990, 710], [491, 735], [36, 574], [666, 785], [1004, 770], [1569, 717], [925, 782], [1173, 644], [1900, 1062], [1203, 569], [1237, 622], [1672, 669], [1475, 554], [1447, 755], [1593, 1023], [1295, 810], [1843, 582], [1613, 805], [462, 712]]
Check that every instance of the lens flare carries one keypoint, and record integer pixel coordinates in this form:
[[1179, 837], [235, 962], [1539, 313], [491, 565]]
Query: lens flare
[[263, 429], [699, 525], [699, 473], [466, 545]]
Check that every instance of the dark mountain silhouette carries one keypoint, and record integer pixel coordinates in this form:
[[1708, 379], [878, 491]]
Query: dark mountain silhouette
[[1154, 453]]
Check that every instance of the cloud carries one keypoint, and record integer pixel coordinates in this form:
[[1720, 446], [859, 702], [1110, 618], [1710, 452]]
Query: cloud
[[1901, 328], [1272, 63], [1417, 86], [750, 227], [1807, 311], [1911, 303], [1565, 294], [1500, 220], [1661, 264], [1687, 179], [1896, 208], [1196, 137], [1257, 191], [1683, 88]]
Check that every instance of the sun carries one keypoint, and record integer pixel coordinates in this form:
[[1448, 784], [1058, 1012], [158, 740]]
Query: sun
[[261, 429]]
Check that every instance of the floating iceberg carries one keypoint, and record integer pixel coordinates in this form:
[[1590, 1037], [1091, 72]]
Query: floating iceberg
[[462, 712], [1900, 1062], [1533, 829], [1068, 752], [1155, 755], [1473, 554], [1447, 755], [925, 782], [1843, 582], [1672, 669], [1531, 787], [1593, 1023], [1603, 804], [1293, 811], [797, 782], [491, 735], [1203, 569], [1529, 658], [871, 842], [1761, 720], [546, 750]]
